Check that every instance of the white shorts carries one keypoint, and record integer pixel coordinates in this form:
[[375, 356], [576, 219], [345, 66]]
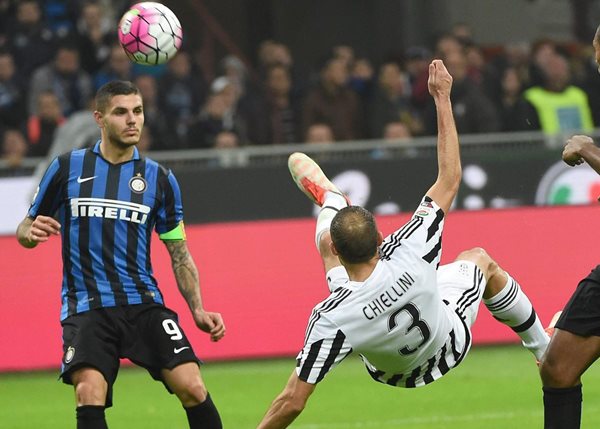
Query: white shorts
[[461, 285]]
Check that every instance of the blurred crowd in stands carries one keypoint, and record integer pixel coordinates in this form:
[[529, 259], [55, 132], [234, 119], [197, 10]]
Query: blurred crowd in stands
[[54, 55]]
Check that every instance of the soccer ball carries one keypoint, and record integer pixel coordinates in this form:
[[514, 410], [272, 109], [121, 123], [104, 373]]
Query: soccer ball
[[150, 33]]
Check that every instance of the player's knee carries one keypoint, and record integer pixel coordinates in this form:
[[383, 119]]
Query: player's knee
[[88, 392], [556, 374], [192, 392], [482, 259]]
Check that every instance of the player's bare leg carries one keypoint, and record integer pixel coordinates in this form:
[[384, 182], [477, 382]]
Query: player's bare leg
[[311, 180], [508, 304], [185, 381], [561, 372], [90, 396]]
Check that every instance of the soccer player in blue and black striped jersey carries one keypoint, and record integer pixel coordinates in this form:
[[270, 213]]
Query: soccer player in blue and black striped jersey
[[105, 201]]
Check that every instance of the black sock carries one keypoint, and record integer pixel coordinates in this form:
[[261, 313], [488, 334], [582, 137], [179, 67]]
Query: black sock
[[91, 417], [562, 408], [204, 415]]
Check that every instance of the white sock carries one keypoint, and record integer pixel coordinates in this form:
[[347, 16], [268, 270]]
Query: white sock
[[512, 307], [332, 204]]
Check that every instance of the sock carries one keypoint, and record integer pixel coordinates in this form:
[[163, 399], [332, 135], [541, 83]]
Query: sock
[[332, 204], [91, 417], [204, 415], [512, 307], [562, 407]]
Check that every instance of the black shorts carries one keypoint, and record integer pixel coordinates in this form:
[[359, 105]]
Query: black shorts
[[147, 334], [581, 316]]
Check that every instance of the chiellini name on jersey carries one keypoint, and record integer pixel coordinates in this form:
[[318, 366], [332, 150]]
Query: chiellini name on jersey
[[378, 305]]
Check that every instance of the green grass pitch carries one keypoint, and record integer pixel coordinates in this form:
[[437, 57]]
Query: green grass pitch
[[494, 387]]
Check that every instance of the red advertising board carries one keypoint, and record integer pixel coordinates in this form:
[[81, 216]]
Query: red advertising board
[[265, 277]]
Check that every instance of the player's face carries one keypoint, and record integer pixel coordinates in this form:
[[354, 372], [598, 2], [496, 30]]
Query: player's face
[[123, 120]]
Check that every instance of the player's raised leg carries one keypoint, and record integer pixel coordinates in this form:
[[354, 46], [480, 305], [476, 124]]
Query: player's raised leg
[[311, 180], [508, 304]]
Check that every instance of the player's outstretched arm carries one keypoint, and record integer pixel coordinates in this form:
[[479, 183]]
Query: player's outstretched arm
[[30, 231], [188, 282], [445, 187], [579, 149], [288, 405]]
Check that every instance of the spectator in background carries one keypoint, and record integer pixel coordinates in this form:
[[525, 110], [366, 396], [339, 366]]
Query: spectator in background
[[271, 53], [12, 100], [155, 120], [118, 67], [41, 127], [361, 79], [278, 120], [448, 44], [60, 16], [515, 113], [14, 147], [226, 140], [396, 131], [473, 111], [30, 41], [560, 106], [463, 32], [391, 102], [417, 61], [95, 36], [319, 133], [72, 86], [180, 92], [333, 103], [218, 114]]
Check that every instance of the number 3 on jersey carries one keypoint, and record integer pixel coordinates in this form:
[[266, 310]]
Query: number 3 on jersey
[[415, 323]]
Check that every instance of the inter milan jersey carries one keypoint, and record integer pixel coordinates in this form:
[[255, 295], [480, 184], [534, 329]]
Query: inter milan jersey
[[395, 319], [107, 213]]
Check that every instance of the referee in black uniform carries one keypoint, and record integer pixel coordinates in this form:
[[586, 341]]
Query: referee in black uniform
[[575, 345], [104, 202]]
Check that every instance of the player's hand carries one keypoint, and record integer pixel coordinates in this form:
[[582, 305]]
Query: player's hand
[[571, 152], [211, 323], [440, 81], [42, 228]]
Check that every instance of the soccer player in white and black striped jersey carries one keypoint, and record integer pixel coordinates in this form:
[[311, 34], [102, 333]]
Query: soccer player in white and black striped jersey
[[407, 317]]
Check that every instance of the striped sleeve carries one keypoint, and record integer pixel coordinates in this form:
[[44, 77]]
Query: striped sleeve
[[47, 196], [422, 234], [325, 347], [170, 211]]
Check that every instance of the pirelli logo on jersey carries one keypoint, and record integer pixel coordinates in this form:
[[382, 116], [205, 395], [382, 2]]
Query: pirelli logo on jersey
[[109, 209]]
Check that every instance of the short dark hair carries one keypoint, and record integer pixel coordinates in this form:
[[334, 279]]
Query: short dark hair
[[116, 87], [354, 234]]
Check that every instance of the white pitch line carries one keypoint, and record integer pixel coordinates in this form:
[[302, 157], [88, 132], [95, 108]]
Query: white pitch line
[[419, 420]]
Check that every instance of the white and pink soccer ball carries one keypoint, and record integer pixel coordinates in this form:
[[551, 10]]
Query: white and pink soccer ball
[[150, 33]]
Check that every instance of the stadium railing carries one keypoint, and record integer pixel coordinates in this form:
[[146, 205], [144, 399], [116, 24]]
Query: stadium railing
[[339, 151]]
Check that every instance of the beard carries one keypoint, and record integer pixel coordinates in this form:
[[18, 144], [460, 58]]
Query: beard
[[122, 142]]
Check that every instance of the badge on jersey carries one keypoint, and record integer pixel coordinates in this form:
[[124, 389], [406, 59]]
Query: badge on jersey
[[138, 184], [69, 354]]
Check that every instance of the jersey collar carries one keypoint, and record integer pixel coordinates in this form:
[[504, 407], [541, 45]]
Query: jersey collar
[[96, 150]]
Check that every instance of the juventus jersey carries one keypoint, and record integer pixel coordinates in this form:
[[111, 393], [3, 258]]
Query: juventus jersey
[[107, 213], [395, 319]]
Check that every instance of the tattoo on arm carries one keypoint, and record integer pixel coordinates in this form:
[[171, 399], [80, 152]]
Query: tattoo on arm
[[186, 273]]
